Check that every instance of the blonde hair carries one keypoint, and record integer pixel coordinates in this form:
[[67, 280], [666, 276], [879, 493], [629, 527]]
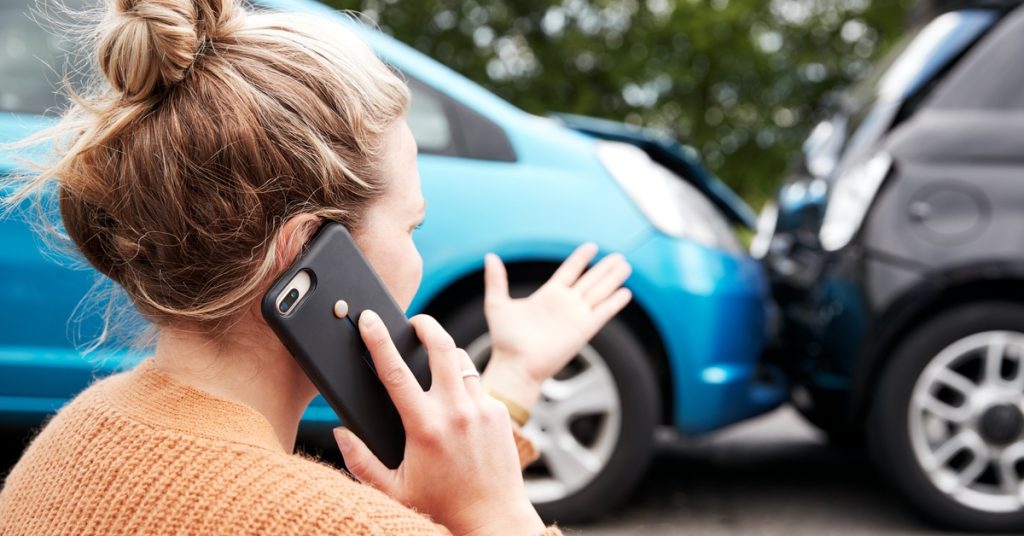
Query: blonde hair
[[213, 127]]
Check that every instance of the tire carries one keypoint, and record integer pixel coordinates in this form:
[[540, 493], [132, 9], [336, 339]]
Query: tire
[[623, 446], [935, 408]]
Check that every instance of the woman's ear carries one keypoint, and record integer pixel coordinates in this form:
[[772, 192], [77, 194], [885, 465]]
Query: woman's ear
[[293, 235]]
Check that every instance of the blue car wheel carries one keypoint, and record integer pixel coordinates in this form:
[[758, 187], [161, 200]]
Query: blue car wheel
[[594, 424]]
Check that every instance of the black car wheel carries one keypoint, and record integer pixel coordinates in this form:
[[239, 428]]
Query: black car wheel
[[948, 421], [594, 424]]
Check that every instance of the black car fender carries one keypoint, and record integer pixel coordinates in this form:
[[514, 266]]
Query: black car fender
[[939, 290]]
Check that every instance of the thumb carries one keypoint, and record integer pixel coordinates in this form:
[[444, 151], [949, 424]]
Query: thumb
[[361, 462], [495, 280]]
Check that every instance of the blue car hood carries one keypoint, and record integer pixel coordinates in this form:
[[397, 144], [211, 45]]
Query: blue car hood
[[681, 159]]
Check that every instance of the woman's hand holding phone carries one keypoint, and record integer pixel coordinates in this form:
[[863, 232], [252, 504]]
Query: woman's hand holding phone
[[535, 337], [460, 466]]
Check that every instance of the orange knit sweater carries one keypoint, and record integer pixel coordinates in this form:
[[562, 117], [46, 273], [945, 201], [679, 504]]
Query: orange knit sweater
[[139, 453]]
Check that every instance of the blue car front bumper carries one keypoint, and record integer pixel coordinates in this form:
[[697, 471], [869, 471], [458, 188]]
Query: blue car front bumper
[[710, 308]]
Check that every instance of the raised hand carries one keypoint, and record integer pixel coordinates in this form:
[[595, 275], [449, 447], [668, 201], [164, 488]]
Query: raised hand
[[535, 337]]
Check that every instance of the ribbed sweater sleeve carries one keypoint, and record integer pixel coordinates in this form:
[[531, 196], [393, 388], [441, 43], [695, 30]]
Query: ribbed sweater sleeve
[[139, 454]]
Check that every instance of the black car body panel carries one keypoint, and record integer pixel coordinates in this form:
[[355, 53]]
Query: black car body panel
[[947, 222]]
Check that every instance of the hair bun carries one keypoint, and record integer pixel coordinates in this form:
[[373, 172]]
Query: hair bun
[[145, 46]]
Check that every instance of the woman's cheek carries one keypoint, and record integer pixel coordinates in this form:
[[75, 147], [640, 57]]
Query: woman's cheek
[[418, 277], [398, 263], [412, 278]]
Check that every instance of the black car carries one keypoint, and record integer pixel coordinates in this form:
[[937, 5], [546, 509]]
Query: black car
[[897, 261]]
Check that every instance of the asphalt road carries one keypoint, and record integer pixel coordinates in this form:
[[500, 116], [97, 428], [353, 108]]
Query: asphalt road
[[770, 476]]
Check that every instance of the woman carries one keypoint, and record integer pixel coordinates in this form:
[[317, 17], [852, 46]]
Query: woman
[[221, 142]]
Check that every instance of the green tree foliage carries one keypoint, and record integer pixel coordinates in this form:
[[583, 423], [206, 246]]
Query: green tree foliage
[[741, 80]]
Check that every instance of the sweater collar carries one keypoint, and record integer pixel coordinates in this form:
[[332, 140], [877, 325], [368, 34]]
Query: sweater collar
[[150, 395]]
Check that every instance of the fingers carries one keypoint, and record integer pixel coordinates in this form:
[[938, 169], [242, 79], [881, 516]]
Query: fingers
[[570, 270], [450, 361], [604, 278], [495, 280], [472, 383], [441, 352], [361, 462], [611, 307], [392, 371]]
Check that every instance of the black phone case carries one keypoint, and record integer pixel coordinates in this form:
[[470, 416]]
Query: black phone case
[[330, 349]]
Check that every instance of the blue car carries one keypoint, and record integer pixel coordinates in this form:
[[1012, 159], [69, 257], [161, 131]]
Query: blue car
[[685, 354]]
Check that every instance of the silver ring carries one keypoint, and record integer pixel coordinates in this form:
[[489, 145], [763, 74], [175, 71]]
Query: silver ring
[[466, 373]]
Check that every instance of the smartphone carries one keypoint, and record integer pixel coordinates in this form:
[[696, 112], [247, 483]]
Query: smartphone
[[300, 308]]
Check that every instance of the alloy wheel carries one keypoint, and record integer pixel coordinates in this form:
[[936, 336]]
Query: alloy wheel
[[966, 421], [575, 425]]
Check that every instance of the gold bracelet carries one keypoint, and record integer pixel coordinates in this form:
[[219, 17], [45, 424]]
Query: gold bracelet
[[519, 414]]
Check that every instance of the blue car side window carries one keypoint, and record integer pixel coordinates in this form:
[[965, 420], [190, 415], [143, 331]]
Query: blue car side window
[[444, 126], [428, 121]]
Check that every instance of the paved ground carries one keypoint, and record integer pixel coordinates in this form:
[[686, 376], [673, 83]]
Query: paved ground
[[771, 476]]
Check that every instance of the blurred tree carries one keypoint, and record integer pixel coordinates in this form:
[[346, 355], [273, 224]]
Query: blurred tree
[[738, 79]]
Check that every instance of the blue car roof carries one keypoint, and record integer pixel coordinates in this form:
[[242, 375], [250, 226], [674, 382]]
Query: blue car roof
[[416, 64]]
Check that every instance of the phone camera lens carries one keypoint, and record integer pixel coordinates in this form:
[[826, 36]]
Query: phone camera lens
[[289, 300]]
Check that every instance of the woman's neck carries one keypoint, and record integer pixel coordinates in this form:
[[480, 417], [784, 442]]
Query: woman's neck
[[255, 370]]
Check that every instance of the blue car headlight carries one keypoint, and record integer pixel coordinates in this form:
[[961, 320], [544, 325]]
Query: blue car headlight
[[672, 205]]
